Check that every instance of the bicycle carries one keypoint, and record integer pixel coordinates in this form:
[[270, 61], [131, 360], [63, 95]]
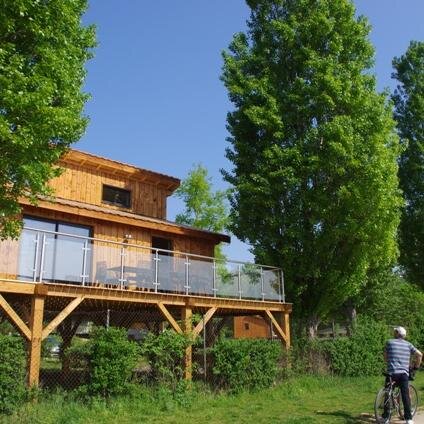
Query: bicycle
[[389, 400]]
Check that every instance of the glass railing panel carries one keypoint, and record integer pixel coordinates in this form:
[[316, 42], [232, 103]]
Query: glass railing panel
[[28, 258], [107, 265], [72, 260], [47, 257], [55, 257], [167, 280], [201, 277], [272, 285], [139, 268], [227, 279], [9, 259], [251, 284]]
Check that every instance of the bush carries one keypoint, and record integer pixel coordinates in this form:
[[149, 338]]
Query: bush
[[245, 363], [12, 372], [361, 354], [165, 353], [111, 360]]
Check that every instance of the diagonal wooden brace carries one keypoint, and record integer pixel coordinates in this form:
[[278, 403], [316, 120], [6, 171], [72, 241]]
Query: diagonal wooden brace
[[281, 334], [199, 327], [61, 316], [170, 318], [15, 318]]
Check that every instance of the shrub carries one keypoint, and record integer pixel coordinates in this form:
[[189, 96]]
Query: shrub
[[111, 360], [245, 363], [361, 354], [12, 372], [165, 353]]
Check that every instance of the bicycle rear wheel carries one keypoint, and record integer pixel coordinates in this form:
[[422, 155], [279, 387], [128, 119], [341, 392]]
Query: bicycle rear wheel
[[413, 395], [383, 405]]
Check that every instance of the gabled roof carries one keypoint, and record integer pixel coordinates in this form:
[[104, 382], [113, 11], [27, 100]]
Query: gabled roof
[[88, 160]]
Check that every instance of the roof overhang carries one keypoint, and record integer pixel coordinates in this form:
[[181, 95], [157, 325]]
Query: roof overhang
[[125, 218]]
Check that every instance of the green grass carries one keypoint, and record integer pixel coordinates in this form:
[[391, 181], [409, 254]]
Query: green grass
[[301, 400]]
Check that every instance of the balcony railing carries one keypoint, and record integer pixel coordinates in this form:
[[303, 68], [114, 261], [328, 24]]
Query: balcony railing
[[53, 257]]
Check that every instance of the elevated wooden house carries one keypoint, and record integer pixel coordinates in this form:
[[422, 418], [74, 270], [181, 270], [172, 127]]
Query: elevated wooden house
[[104, 239]]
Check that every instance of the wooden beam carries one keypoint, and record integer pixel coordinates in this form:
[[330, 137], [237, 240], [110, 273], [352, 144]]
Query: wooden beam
[[188, 356], [36, 325], [277, 328], [170, 318], [15, 318], [61, 316], [14, 286], [199, 327], [286, 327]]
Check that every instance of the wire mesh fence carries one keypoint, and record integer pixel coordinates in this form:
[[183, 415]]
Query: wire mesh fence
[[64, 365]]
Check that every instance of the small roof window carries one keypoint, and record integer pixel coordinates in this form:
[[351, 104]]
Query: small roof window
[[116, 196]]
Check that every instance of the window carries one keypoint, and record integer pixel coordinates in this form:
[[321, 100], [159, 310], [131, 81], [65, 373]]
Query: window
[[61, 256], [116, 196], [162, 243], [246, 326]]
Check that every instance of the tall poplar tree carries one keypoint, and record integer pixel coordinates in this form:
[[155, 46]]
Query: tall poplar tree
[[313, 150], [409, 114], [43, 49]]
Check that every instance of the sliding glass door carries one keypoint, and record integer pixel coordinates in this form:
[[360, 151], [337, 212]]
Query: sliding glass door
[[47, 256]]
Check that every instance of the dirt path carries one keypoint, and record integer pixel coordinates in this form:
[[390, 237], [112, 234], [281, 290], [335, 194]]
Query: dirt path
[[418, 419]]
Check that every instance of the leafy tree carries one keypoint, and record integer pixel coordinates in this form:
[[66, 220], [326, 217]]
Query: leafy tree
[[43, 48], [313, 149], [409, 114], [204, 208]]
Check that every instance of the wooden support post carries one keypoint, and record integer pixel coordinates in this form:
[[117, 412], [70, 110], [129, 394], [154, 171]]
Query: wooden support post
[[36, 327], [286, 328], [187, 325]]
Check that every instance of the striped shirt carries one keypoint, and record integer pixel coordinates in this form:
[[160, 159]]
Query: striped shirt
[[399, 353]]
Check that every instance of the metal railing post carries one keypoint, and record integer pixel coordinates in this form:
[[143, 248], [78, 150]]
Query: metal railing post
[[156, 259], [34, 269], [84, 275], [122, 280], [214, 289], [283, 293], [43, 250], [262, 285], [187, 275], [239, 280]]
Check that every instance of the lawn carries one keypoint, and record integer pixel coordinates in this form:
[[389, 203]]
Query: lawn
[[302, 400]]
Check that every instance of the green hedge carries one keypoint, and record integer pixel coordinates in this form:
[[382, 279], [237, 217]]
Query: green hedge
[[165, 353], [242, 364], [360, 354], [12, 372], [111, 360]]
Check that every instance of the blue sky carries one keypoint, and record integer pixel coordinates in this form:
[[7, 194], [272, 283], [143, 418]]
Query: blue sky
[[157, 101]]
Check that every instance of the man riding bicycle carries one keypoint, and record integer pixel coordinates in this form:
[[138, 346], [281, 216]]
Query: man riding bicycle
[[398, 354]]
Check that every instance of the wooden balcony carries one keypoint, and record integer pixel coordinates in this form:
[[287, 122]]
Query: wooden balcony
[[61, 273]]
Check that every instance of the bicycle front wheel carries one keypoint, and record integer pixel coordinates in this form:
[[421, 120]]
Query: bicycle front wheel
[[383, 405], [413, 395]]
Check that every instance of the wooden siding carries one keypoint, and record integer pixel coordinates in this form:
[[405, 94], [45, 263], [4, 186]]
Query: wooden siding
[[116, 232], [85, 185], [251, 327]]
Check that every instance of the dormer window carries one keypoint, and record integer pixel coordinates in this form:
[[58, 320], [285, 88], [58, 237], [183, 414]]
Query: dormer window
[[116, 196]]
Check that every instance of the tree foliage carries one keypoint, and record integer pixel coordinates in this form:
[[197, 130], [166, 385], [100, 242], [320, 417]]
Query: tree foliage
[[43, 48], [204, 209], [409, 114], [313, 149]]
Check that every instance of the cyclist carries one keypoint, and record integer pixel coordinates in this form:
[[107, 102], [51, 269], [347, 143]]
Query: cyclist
[[398, 355]]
